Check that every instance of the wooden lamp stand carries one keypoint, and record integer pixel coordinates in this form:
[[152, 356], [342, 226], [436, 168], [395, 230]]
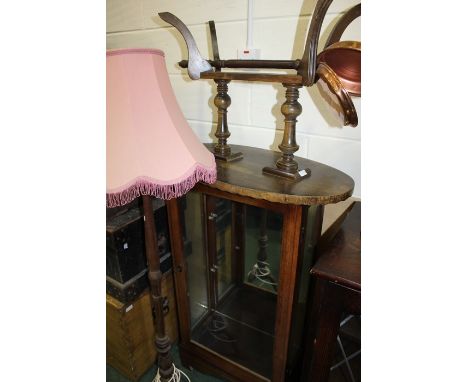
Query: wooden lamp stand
[[163, 344]]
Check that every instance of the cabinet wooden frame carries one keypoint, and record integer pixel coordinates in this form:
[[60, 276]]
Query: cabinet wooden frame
[[292, 243], [243, 184]]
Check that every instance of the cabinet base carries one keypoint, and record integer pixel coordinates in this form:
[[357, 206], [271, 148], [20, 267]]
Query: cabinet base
[[195, 356]]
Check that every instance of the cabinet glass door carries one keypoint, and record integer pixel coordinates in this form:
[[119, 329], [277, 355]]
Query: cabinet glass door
[[193, 214], [233, 271]]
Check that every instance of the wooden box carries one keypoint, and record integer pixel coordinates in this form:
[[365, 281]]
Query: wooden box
[[131, 289], [130, 333], [125, 242]]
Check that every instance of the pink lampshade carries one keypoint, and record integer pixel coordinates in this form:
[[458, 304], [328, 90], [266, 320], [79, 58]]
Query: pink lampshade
[[151, 149]]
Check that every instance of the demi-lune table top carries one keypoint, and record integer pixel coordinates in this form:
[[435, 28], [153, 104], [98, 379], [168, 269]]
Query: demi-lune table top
[[244, 177]]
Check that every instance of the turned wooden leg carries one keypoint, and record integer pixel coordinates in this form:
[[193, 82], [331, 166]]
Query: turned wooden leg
[[286, 166], [163, 343], [222, 101]]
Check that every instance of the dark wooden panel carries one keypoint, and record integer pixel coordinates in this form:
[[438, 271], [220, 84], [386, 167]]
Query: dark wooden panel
[[340, 259], [331, 300]]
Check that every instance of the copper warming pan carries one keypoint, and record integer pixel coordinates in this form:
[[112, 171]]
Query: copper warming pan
[[344, 58], [339, 67]]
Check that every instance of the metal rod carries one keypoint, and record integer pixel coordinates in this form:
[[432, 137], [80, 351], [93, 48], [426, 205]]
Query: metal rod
[[348, 366], [214, 40], [357, 352], [346, 320], [259, 64]]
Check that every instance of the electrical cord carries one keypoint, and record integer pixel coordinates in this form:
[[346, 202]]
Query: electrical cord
[[176, 375], [260, 273], [218, 325]]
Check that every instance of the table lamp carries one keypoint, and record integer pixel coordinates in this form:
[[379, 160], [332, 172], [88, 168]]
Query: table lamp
[[151, 152]]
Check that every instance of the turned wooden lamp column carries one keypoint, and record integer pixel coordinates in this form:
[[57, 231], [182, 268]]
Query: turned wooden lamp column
[[286, 166], [222, 101], [163, 343], [151, 151]]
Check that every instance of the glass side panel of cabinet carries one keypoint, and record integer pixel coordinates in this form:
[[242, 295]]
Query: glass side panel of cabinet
[[195, 256], [241, 268]]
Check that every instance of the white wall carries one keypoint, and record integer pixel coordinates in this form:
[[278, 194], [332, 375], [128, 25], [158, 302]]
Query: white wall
[[254, 117]]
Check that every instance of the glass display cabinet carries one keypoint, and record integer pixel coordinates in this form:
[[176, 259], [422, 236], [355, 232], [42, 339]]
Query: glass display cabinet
[[243, 283]]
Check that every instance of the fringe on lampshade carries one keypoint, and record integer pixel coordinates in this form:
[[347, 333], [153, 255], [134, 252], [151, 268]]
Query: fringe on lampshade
[[161, 191]]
